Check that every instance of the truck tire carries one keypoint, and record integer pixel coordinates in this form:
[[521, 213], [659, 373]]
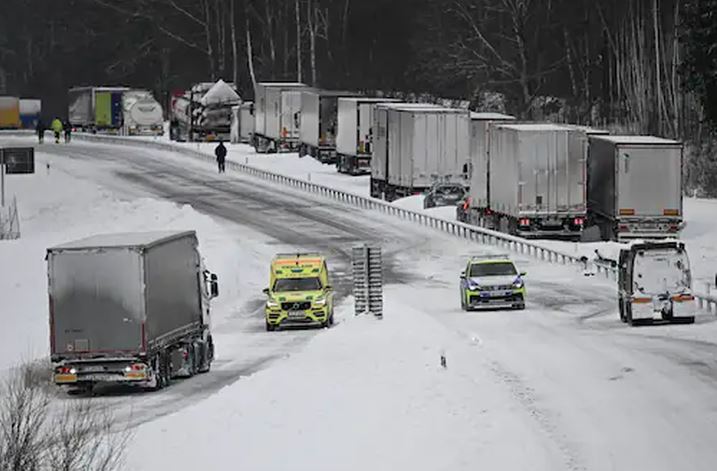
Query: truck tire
[[621, 307], [207, 357], [628, 315]]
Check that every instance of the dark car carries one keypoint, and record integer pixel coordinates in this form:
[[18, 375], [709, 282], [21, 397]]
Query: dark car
[[444, 194]]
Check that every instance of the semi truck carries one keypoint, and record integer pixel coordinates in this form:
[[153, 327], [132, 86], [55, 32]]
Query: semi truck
[[131, 308], [655, 283], [537, 181], [30, 112], [319, 123], [9, 112], [634, 187], [96, 108], [277, 107], [477, 204], [417, 146], [242, 123], [142, 114], [354, 140]]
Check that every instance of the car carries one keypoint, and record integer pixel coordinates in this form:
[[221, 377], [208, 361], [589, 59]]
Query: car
[[492, 281], [299, 292], [444, 194]]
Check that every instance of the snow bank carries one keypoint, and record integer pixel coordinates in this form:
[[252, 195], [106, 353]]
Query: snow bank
[[56, 207], [367, 394]]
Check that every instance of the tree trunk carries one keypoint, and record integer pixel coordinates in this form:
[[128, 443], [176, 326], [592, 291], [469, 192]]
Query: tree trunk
[[270, 36], [312, 39], [208, 38], [249, 52], [298, 42], [235, 51]]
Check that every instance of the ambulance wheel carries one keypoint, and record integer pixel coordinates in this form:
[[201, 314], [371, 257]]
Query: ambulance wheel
[[270, 327]]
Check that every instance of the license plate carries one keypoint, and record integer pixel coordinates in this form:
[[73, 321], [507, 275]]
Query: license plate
[[297, 314], [99, 377], [93, 369]]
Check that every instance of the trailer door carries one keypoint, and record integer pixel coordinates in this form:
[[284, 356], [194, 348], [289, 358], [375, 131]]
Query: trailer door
[[96, 301], [649, 181]]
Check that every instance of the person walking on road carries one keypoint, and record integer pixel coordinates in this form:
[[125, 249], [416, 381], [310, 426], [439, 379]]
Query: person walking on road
[[221, 153], [57, 129], [40, 128], [68, 132]]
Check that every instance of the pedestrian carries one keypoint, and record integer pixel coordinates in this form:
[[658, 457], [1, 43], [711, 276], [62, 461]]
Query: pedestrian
[[57, 129], [221, 153], [68, 132], [40, 128]]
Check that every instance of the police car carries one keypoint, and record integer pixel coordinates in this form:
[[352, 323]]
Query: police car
[[492, 281]]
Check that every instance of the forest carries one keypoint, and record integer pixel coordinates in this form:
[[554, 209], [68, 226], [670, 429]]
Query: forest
[[642, 66]]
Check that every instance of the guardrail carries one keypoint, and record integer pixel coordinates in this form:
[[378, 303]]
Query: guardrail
[[458, 229]]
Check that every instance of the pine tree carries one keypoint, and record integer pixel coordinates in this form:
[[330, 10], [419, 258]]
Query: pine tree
[[700, 48]]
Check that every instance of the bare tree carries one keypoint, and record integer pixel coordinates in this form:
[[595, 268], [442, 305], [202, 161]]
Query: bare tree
[[83, 436]]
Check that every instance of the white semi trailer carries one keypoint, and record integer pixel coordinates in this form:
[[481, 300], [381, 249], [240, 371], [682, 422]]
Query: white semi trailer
[[537, 184], [635, 187], [319, 123], [417, 146], [277, 109], [354, 140], [478, 202]]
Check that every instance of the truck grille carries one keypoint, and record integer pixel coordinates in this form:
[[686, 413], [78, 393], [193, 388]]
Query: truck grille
[[497, 288], [296, 306]]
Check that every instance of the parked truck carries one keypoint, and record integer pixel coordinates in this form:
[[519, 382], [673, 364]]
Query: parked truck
[[142, 114], [277, 107], [635, 187], [96, 108], [477, 205], [242, 123], [416, 146], [354, 140], [129, 308], [9, 112], [537, 184], [319, 123], [30, 112]]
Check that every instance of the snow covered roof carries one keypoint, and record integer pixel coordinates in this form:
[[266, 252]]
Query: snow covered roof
[[491, 116], [535, 127], [332, 93], [128, 239], [588, 130], [282, 84], [221, 92], [370, 99], [638, 140]]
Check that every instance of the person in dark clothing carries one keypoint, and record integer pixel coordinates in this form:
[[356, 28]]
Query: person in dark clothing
[[221, 153], [68, 132], [40, 131]]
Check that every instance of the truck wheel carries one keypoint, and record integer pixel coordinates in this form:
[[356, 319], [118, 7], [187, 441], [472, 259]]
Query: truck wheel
[[628, 314], [621, 306]]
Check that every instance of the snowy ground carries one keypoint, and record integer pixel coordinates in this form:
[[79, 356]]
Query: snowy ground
[[561, 385]]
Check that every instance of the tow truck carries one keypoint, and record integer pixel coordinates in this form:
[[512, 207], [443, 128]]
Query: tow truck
[[299, 292], [492, 281]]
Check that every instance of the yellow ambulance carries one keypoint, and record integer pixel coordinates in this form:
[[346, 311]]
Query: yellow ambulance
[[299, 292]]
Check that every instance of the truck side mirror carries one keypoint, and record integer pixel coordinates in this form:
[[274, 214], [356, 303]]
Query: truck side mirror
[[214, 286]]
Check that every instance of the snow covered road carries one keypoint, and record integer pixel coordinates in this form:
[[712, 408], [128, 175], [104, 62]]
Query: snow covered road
[[562, 385]]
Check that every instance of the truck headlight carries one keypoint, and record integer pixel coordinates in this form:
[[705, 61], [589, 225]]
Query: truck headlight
[[320, 302], [271, 303]]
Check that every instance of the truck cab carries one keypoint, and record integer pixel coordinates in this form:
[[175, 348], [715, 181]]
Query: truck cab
[[655, 282], [299, 292]]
